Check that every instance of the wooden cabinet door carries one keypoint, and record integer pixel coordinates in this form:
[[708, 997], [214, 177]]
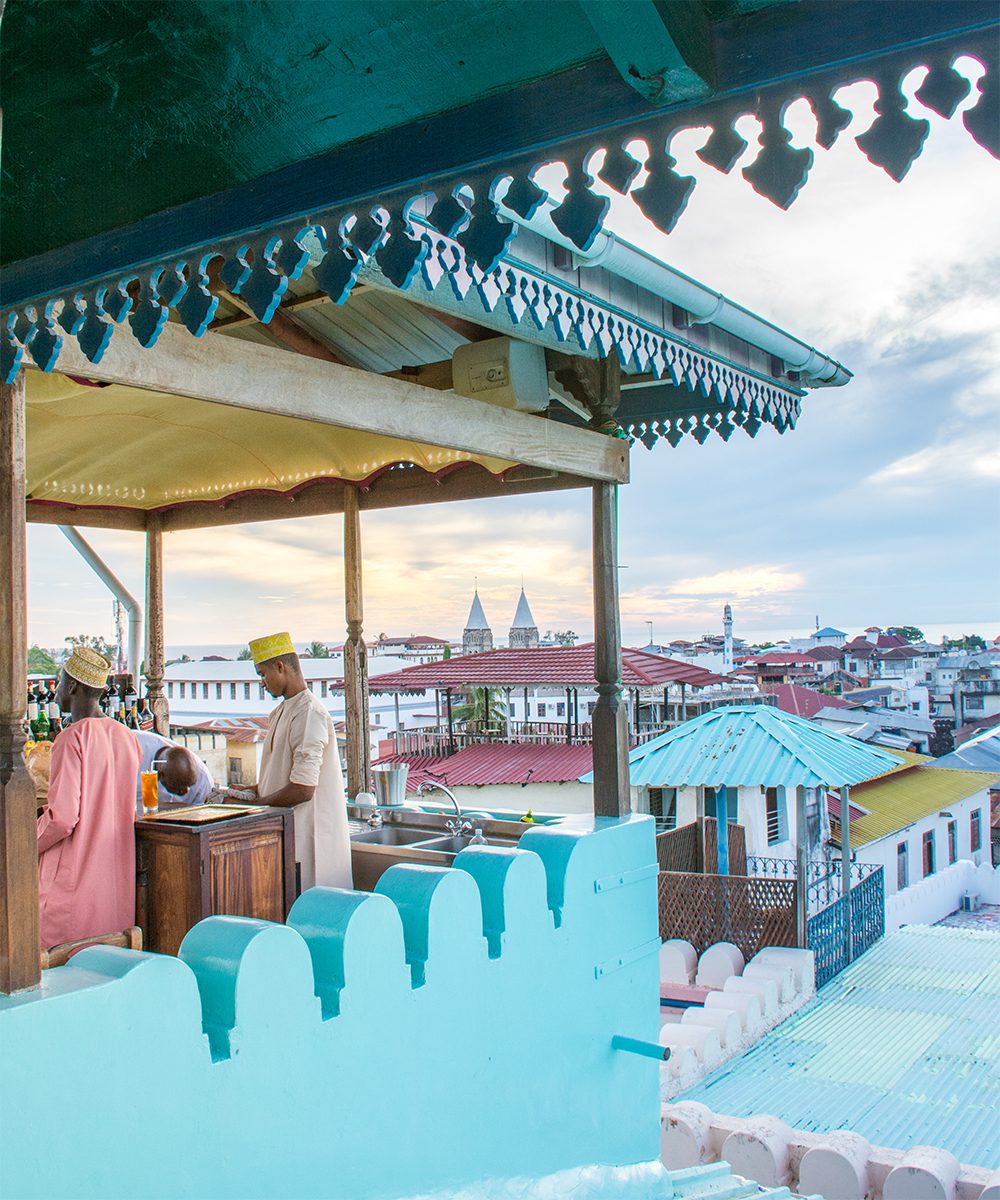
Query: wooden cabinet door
[[248, 874]]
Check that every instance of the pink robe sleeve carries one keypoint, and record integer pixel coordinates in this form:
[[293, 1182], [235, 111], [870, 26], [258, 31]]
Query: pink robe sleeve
[[65, 783]]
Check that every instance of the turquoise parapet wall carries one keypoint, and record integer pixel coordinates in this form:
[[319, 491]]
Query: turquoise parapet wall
[[453, 1028]]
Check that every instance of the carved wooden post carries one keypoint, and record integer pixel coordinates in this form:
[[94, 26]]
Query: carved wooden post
[[19, 944], [801, 870], [359, 756], [154, 624], [845, 868], [609, 732]]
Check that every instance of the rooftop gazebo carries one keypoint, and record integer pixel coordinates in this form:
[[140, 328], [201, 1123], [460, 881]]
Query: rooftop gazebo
[[190, 191]]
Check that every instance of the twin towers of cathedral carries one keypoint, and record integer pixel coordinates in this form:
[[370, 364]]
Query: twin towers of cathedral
[[478, 635]]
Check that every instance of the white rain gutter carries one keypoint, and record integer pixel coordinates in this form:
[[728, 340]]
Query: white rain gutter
[[118, 589], [705, 306]]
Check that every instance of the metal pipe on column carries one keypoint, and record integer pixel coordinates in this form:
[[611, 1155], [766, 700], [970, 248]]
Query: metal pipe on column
[[118, 590], [154, 625], [845, 871], [801, 870], [608, 724], [359, 751]]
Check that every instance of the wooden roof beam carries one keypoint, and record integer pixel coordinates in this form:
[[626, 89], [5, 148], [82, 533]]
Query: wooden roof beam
[[225, 370]]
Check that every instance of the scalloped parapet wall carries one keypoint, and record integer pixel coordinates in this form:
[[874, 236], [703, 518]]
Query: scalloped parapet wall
[[452, 1028]]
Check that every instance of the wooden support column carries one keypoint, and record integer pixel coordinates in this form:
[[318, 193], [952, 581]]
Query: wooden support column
[[801, 870], [845, 868], [609, 732], [359, 754], [569, 716], [451, 727], [154, 624], [19, 940]]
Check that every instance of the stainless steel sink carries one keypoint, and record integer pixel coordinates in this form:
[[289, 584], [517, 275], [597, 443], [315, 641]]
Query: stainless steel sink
[[409, 836], [452, 845], [392, 835]]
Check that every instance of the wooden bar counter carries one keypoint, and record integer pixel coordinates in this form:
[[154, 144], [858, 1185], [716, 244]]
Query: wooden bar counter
[[243, 865]]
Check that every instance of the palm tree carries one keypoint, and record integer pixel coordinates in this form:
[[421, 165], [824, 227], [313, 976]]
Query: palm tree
[[481, 712], [316, 650]]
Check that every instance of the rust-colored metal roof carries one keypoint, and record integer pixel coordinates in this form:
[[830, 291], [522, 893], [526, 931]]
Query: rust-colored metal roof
[[556, 666], [497, 762], [802, 701]]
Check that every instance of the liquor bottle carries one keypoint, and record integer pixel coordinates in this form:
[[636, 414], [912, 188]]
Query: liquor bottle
[[32, 708], [40, 728], [132, 717], [146, 719], [131, 693], [103, 702]]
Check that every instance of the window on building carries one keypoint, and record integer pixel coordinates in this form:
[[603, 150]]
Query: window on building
[[170, 691], [591, 705], [235, 771], [976, 830], [324, 689], [774, 808], [663, 806], [902, 866], [952, 842], [260, 689], [561, 709], [218, 691], [541, 710], [246, 691], [232, 691], [204, 691], [180, 687], [928, 853]]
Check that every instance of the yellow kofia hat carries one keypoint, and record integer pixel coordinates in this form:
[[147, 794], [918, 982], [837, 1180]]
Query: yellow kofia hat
[[87, 666], [262, 649]]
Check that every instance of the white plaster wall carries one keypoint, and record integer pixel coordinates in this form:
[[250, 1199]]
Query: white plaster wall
[[883, 851], [562, 798], [940, 894]]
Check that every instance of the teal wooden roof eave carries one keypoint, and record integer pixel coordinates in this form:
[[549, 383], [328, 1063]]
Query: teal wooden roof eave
[[356, 198], [754, 746]]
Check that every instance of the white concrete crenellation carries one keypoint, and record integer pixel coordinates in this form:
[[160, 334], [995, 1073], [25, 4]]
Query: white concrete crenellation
[[840, 1165]]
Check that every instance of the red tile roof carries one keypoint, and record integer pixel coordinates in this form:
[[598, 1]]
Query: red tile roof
[[898, 653], [802, 701], [555, 666], [497, 762], [779, 657], [823, 654], [234, 729]]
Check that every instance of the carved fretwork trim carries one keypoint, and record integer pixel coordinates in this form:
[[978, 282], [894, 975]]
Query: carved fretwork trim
[[258, 267]]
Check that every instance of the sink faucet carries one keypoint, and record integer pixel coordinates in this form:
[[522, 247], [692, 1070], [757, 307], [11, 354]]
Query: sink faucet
[[457, 827]]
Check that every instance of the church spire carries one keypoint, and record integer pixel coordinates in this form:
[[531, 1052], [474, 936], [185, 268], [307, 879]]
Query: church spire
[[477, 634], [523, 631]]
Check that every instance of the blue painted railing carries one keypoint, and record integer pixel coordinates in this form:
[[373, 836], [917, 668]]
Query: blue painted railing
[[826, 928]]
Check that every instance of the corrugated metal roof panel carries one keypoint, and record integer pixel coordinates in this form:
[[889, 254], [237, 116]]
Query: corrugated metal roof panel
[[902, 1047], [905, 796], [551, 666], [754, 746], [493, 763]]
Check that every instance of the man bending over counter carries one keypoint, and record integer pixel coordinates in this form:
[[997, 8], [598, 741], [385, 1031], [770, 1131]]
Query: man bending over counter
[[183, 777], [86, 843], [300, 767]]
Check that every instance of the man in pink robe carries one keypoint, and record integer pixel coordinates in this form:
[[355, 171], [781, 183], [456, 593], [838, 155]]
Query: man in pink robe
[[86, 841]]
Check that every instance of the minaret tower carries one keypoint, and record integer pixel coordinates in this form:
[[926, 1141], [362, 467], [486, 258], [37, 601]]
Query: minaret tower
[[477, 635], [727, 642], [524, 631]]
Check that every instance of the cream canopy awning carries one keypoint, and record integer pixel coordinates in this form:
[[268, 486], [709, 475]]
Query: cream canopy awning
[[121, 447]]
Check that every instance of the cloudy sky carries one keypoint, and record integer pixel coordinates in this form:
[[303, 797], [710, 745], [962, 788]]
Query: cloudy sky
[[880, 508]]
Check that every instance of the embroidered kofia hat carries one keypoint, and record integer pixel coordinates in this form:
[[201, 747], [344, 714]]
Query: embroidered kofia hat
[[87, 666], [262, 649]]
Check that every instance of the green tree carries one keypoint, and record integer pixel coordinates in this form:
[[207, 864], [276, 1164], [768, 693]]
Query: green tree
[[446, 652], [244, 654], [968, 641], [482, 711], [316, 650], [40, 662], [566, 637], [910, 633]]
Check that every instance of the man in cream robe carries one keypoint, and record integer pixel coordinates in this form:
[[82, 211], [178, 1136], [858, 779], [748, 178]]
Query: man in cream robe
[[300, 767]]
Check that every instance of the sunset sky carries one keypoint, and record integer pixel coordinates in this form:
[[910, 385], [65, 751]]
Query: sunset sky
[[880, 508]]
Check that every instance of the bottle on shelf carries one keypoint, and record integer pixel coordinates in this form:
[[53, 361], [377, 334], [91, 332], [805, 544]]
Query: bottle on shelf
[[132, 717], [147, 721], [32, 708], [40, 729]]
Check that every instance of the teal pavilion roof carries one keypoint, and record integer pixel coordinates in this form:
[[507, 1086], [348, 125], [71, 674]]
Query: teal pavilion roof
[[754, 745]]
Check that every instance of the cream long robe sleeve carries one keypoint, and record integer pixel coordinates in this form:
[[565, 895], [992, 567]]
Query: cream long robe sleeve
[[301, 747]]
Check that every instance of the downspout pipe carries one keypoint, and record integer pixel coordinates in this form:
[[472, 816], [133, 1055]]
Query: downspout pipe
[[118, 590], [704, 305]]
